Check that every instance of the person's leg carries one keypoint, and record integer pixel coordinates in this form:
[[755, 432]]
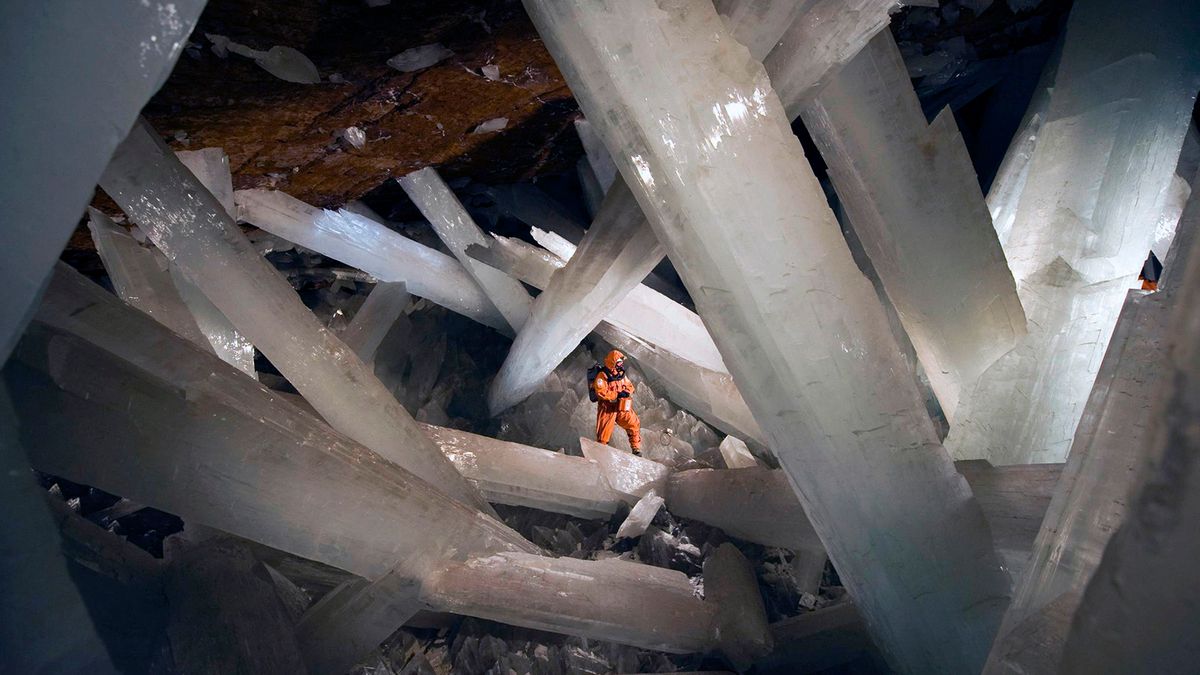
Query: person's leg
[[604, 425], [628, 420]]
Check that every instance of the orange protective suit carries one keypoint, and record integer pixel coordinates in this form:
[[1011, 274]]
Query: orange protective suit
[[613, 408]]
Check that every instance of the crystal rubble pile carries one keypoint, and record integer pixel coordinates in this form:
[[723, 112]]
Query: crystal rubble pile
[[1116, 120], [1115, 439], [864, 457], [110, 350], [192, 229]]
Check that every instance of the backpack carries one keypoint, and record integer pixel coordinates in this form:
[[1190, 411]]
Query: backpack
[[591, 379]]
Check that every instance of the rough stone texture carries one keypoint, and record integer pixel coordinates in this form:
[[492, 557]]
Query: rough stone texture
[[281, 135]]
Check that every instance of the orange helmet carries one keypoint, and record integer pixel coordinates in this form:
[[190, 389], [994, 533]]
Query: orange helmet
[[614, 360]]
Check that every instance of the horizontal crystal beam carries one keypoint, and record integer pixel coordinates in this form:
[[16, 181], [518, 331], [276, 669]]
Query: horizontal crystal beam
[[99, 380], [55, 153], [192, 229], [613, 600], [457, 231], [702, 140], [911, 193], [616, 254], [370, 246], [1117, 117]]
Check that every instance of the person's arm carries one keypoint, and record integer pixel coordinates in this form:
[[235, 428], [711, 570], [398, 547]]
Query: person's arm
[[605, 391]]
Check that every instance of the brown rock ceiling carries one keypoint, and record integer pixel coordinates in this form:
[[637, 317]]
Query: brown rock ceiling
[[279, 134]]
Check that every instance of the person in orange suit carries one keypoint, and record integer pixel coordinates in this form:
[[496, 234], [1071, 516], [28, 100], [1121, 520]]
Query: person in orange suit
[[614, 402]]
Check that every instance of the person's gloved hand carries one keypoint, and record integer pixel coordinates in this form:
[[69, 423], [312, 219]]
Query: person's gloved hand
[[623, 394]]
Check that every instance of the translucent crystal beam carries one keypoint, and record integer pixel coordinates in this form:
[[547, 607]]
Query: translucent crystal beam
[[189, 226], [211, 167], [1120, 108], [910, 190], [383, 306], [103, 384], [457, 231], [139, 276], [371, 247], [1112, 444], [616, 254], [56, 154], [703, 142]]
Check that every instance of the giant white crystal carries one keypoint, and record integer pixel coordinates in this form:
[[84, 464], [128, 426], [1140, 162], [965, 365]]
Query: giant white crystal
[[1121, 105], [910, 191], [372, 321], [457, 231], [54, 153], [700, 137], [617, 252], [189, 226], [1138, 613], [370, 246]]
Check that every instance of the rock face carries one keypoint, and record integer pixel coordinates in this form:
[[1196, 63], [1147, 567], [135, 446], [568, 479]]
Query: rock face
[[282, 134]]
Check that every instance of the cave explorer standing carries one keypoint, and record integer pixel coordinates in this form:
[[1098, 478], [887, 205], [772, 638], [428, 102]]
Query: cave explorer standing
[[613, 393]]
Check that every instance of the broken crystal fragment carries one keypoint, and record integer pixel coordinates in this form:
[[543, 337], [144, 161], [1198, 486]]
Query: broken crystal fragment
[[742, 630], [353, 136], [286, 63], [491, 126], [853, 447], [736, 454], [419, 57], [640, 516], [370, 246], [491, 71], [457, 231], [190, 227]]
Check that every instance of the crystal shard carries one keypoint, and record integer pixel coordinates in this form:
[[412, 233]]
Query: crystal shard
[[189, 226], [701, 139], [910, 191], [59, 152], [370, 246], [640, 516], [616, 254], [736, 454], [457, 231], [1118, 114], [631, 476]]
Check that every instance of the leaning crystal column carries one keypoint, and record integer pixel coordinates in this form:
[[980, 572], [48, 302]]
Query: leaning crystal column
[[702, 140], [1111, 445], [458, 231], [1121, 105], [53, 154], [1138, 613], [616, 254], [910, 190], [192, 229]]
